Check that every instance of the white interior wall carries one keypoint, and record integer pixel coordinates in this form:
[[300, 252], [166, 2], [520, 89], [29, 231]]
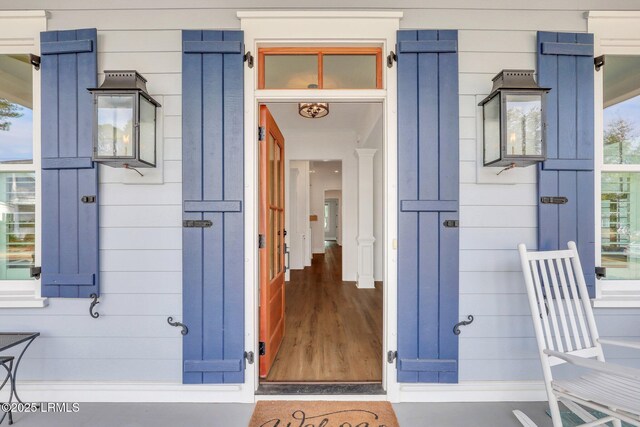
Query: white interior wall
[[324, 179], [141, 224], [337, 195]]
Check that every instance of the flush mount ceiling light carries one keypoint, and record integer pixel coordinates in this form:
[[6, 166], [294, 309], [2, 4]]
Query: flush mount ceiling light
[[313, 110]]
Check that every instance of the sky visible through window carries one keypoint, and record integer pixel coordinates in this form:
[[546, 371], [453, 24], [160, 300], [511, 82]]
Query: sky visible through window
[[16, 134]]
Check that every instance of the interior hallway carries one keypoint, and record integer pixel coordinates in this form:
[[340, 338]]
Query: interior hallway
[[333, 330]]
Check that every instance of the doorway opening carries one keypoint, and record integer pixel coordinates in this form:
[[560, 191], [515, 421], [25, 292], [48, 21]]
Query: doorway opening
[[321, 290]]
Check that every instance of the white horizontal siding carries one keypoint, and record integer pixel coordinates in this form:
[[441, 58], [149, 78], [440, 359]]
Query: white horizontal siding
[[140, 224]]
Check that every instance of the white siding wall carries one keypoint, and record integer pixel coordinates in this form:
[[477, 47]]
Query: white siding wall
[[140, 225]]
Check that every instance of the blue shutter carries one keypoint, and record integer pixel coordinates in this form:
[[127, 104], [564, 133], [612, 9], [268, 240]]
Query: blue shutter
[[212, 188], [565, 64], [70, 248], [428, 196]]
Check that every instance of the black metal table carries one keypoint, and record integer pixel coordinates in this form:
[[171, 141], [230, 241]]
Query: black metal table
[[7, 341]]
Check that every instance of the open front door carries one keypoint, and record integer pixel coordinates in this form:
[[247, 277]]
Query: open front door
[[271, 240]]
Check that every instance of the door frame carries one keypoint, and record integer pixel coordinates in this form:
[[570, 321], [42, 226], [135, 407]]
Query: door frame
[[266, 28]]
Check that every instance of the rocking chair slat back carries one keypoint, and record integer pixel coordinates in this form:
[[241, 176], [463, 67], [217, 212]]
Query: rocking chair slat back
[[559, 301]]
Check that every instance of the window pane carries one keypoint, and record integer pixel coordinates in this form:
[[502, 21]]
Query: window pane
[[16, 109], [349, 72], [290, 71], [524, 125], [620, 222], [622, 110], [17, 224]]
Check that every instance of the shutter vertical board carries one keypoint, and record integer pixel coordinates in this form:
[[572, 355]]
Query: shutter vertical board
[[568, 170], [213, 181], [428, 187], [70, 247]]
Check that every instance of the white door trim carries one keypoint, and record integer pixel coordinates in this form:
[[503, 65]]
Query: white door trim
[[321, 28]]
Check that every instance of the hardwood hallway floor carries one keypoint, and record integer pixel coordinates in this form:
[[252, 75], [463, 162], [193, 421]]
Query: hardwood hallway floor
[[333, 330]]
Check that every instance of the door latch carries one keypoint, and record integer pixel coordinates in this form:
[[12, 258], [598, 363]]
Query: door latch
[[391, 356], [249, 356]]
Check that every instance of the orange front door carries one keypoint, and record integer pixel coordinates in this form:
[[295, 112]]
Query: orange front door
[[272, 240]]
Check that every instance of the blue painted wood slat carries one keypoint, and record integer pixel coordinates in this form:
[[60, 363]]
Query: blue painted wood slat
[[565, 64], [213, 177], [70, 248], [428, 187]]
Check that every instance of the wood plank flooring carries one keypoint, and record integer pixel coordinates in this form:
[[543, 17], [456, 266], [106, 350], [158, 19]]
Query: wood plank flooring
[[333, 330]]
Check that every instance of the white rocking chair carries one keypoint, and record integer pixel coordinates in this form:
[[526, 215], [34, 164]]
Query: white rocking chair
[[566, 333]]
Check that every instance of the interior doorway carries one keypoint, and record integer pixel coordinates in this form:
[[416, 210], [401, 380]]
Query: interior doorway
[[332, 252]]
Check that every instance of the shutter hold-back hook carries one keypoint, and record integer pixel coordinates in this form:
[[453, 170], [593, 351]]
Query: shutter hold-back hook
[[456, 328], [95, 302]]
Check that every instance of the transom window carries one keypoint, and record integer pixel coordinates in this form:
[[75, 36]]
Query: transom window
[[320, 68], [620, 168]]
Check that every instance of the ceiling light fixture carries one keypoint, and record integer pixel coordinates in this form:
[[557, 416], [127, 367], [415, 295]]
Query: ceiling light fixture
[[313, 110]]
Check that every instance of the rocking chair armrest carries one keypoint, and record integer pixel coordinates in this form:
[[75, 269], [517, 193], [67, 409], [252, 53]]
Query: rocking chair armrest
[[596, 365], [621, 343]]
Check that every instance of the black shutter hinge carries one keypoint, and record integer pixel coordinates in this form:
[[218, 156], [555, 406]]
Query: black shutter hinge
[[598, 62], [261, 243], [197, 223], [248, 355], [452, 223], [548, 200], [391, 58], [391, 356], [35, 272], [248, 58], [35, 61], [262, 348], [601, 272], [261, 133], [88, 199]]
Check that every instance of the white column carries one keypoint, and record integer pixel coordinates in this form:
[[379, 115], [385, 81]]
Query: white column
[[365, 237]]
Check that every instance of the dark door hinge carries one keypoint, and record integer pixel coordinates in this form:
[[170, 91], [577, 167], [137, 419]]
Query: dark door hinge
[[35, 61], [249, 356], [598, 62], [262, 348], [248, 58], [391, 58], [452, 223], [35, 272], [197, 223], [261, 133], [261, 243], [548, 200], [88, 199], [391, 356], [601, 272]]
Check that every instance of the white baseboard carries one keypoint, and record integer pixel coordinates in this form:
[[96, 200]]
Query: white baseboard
[[472, 391], [139, 392], [145, 392]]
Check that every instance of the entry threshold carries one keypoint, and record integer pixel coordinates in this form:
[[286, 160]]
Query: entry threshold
[[267, 389]]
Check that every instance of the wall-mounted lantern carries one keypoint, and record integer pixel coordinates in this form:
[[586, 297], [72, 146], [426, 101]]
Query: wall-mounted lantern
[[124, 130], [514, 120]]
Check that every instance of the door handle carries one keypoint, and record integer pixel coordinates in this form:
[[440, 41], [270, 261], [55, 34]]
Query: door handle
[[288, 255]]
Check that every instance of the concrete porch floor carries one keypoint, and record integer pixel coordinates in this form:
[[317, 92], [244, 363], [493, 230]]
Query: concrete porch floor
[[491, 414]]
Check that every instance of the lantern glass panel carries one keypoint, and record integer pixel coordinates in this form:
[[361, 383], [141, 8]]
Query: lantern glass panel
[[115, 125], [524, 124], [147, 131], [492, 130]]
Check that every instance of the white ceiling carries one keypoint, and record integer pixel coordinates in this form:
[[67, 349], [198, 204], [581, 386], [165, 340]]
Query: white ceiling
[[342, 117]]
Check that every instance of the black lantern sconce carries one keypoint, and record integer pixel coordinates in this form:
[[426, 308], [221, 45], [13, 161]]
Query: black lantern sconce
[[514, 120], [124, 129]]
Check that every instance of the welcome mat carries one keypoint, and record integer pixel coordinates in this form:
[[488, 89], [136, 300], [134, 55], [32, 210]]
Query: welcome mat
[[294, 413]]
